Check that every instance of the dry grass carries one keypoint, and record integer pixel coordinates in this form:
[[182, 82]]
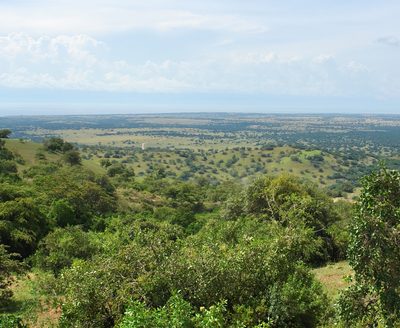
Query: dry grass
[[34, 310], [332, 277]]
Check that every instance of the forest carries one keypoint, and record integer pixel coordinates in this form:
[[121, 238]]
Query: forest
[[110, 234]]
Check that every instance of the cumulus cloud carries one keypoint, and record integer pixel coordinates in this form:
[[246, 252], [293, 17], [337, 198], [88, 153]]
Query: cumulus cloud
[[78, 62], [276, 48], [20, 46]]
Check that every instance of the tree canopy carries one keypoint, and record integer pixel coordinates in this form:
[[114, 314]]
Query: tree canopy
[[374, 253], [5, 133]]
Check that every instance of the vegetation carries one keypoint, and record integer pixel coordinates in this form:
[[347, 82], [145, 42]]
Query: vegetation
[[92, 243], [374, 253], [5, 133], [8, 265]]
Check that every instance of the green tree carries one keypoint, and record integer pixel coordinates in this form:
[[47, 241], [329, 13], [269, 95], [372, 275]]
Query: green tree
[[21, 225], [96, 292], [290, 202], [374, 253], [64, 245], [72, 157], [8, 166], [63, 213], [120, 169], [55, 144], [5, 133], [74, 195]]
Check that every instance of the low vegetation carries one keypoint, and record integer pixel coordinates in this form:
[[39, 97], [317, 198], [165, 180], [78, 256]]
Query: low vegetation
[[107, 247]]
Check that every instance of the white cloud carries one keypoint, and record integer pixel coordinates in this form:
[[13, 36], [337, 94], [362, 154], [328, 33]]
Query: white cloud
[[79, 62], [356, 67], [17, 46], [305, 48]]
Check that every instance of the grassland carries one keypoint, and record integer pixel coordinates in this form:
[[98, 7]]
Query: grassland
[[28, 151], [218, 164], [333, 151]]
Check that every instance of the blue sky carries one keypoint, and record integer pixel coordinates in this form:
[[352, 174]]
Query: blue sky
[[155, 56]]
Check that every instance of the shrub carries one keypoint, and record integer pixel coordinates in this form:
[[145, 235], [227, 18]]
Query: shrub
[[61, 247], [11, 321], [8, 266]]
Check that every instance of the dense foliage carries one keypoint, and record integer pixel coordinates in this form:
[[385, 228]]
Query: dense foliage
[[114, 250], [8, 264], [374, 253], [291, 203]]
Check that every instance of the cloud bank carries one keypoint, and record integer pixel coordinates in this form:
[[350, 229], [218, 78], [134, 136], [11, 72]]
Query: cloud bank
[[185, 47]]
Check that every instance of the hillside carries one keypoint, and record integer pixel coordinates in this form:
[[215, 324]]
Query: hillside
[[219, 165], [232, 234], [333, 151]]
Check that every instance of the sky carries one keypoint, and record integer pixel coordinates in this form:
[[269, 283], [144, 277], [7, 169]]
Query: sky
[[127, 56]]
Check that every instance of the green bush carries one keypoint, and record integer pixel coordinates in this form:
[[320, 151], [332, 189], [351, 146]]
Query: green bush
[[62, 246], [176, 313], [5, 133], [96, 291], [289, 201], [11, 321], [21, 225], [242, 262], [8, 266]]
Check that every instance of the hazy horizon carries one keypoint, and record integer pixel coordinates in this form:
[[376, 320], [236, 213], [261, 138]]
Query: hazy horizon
[[104, 112]]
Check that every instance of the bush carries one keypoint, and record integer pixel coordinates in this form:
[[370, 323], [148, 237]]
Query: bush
[[57, 145], [53, 144], [254, 268], [176, 313], [96, 291], [8, 266], [236, 261], [61, 247], [11, 321], [73, 195]]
